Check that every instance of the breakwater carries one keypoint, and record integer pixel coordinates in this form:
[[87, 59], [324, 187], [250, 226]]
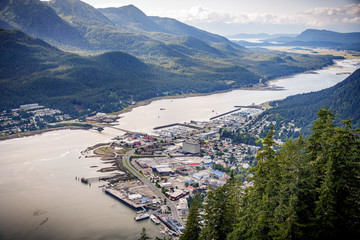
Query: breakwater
[[177, 124]]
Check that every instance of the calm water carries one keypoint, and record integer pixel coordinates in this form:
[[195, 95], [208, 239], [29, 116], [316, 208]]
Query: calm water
[[145, 118], [40, 198]]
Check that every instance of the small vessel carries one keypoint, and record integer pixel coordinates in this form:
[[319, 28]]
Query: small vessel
[[162, 108], [154, 219], [141, 216]]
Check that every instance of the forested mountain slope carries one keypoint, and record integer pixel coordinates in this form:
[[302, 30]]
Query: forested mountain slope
[[344, 97], [38, 19], [34, 71]]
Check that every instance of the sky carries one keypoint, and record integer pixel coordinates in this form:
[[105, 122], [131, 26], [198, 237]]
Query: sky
[[229, 17]]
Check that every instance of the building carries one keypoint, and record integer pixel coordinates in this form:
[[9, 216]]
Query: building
[[177, 194], [183, 208], [201, 175], [191, 146], [163, 170]]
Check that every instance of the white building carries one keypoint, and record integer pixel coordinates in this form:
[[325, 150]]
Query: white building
[[191, 146], [183, 208]]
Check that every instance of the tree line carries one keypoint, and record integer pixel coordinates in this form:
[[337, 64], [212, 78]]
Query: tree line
[[304, 189]]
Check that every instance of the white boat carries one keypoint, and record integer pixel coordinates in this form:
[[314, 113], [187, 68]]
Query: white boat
[[154, 219], [141, 216]]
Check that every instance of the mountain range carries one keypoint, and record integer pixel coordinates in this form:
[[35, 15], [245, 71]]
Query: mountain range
[[313, 38], [167, 57]]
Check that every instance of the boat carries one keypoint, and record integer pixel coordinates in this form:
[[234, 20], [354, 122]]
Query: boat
[[141, 216], [162, 109], [154, 219]]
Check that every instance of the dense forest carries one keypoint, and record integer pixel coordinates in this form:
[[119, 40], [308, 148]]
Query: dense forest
[[300, 109], [306, 189]]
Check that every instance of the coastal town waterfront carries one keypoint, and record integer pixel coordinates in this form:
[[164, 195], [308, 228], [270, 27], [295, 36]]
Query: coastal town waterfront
[[41, 193]]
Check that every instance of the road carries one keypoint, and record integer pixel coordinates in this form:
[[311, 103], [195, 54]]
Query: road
[[127, 164]]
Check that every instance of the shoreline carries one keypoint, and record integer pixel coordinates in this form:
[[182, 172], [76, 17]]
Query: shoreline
[[264, 87], [189, 95]]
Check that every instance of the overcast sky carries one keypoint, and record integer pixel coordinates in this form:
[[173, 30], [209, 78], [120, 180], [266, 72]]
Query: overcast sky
[[228, 17]]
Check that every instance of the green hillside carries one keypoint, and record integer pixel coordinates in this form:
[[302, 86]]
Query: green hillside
[[343, 97], [34, 71], [38, 19]]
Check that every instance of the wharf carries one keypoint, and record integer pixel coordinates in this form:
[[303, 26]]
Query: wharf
[[237, 109], [177, 124], [97, 179], [123, 198], [223, 114]]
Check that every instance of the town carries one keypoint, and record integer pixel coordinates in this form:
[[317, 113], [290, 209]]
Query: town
[[158, 175]]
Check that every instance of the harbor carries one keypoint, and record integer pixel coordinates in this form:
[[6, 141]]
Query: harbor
[[47, 175]]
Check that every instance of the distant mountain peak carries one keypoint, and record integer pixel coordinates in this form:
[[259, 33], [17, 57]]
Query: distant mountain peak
[[328, 36]]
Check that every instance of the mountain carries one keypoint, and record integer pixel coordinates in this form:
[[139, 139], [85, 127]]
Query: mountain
[[310, 35], [80, 14], [179, 59], [31, 70], [313, 38], [40, 20], [133, 19], [343, 97]]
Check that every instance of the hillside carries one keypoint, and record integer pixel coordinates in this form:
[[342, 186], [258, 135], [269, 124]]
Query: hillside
[[31, 70], [161, 41], [134, 20], [343, 97], [40, 20]]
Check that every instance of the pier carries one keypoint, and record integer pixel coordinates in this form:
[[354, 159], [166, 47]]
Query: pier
[[178, 124], [123, 198], [237, 109], [223, 114]]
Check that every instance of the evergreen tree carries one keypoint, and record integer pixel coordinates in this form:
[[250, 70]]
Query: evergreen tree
[[309, 190], [193, 223], [259, 202], [220, 211]]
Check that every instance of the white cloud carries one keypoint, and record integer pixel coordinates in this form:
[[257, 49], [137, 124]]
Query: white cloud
[[326, 15], [316, 17]]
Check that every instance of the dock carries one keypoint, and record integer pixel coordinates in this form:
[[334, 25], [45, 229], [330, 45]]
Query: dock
[[123, 198], [177, 124], [223, 114], [237, 109], [97, 179]]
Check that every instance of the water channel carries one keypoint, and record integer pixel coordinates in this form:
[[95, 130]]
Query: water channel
[[40, 197]]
